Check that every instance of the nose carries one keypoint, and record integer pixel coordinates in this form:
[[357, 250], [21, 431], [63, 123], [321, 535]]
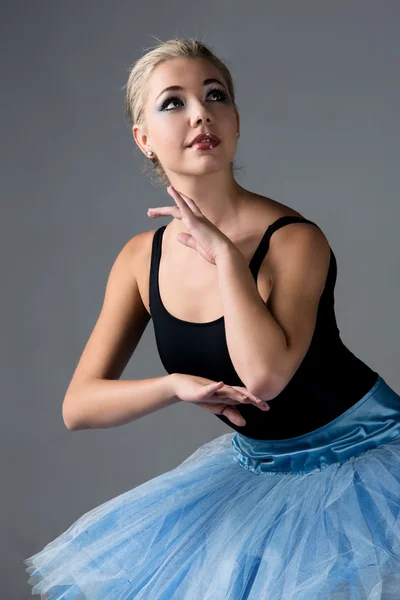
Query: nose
[[201, 115], [199, 120]]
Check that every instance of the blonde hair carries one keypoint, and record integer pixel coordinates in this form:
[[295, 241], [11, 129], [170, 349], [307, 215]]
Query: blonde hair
[[140, 71]]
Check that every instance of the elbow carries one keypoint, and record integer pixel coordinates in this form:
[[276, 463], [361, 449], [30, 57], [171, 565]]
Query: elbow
[[267, 387], [71, 422], [71, 425]]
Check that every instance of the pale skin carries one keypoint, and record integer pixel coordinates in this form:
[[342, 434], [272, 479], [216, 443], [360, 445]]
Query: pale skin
[[211, 210], [216, 226]]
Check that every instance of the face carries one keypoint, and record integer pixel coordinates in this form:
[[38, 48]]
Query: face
[[173, 118]]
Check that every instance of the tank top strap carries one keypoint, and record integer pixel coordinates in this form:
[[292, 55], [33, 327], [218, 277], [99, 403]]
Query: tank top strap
[[156, 249], [263, 246], [154, 268], [255, 262]]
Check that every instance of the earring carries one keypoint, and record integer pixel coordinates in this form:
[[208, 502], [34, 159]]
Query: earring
[[238, 134], [149, 152]]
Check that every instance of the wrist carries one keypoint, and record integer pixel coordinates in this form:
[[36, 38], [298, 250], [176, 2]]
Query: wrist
[[170, 381], [226, 251]]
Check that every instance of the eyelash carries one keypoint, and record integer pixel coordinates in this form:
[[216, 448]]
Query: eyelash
[[222, 93]]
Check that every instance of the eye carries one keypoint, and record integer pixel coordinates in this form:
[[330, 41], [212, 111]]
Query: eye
[[221, 93], [168, 101]]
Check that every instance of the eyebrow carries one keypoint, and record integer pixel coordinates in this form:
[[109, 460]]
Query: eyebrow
[[178, 87]]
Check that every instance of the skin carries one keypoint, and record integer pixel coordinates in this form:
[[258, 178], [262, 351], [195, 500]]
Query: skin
[[188, 282], [206, 178]]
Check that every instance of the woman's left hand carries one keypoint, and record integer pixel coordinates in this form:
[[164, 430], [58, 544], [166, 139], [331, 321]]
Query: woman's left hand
[[203, 236]]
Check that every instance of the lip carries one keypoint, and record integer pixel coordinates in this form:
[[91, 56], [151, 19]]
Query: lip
[[212, 139]]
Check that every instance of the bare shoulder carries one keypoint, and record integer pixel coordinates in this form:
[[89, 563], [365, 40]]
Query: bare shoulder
[[277, 210], [139, 246], [137, 252], [300, 241], [121, 322], [296, 237], [291, 237]]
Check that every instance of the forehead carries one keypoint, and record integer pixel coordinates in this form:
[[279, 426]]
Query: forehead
[[181, 71]]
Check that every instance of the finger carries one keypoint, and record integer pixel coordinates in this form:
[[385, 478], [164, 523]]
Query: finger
[[244, 395], [223, 409], [246, 392], [186, 211], [233, 415], [165, 211], [209, 394], [191, 203], [187, 240], [230, 397], [210, 389], [230, 393], [214, 385], [259, 402]]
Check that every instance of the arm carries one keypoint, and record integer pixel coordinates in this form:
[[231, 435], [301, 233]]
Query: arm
[[100, 403], [267, 343], [95, 397]]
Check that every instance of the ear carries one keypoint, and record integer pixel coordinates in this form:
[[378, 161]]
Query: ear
[[237, 120], [140, 137]]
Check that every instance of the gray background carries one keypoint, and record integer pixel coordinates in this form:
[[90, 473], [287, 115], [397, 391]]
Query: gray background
[[317, 88]]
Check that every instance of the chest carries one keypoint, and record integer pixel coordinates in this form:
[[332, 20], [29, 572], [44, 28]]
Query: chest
[[189, 286]]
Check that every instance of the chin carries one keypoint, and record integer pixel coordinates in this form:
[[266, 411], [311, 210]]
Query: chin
[[206, 170]]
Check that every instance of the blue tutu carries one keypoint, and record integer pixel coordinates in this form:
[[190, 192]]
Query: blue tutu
[[315, 517]]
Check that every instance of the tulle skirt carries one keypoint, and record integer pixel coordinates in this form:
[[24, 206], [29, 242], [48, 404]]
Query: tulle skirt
[[315, 517]]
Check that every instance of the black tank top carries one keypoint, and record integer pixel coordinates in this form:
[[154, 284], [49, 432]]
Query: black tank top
[[329, 380]]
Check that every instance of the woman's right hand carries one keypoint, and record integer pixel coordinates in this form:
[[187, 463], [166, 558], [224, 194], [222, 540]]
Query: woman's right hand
[[215, 396]]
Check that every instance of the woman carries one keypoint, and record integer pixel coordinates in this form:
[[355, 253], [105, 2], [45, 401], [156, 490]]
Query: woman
[[301, 501]]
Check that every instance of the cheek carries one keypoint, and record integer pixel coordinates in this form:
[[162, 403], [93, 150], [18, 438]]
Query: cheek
[[172, 137]]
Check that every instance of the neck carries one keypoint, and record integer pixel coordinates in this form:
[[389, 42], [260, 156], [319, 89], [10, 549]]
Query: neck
[[219, 201]]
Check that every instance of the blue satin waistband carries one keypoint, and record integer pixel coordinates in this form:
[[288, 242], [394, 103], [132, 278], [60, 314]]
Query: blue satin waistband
[[372, 421]]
